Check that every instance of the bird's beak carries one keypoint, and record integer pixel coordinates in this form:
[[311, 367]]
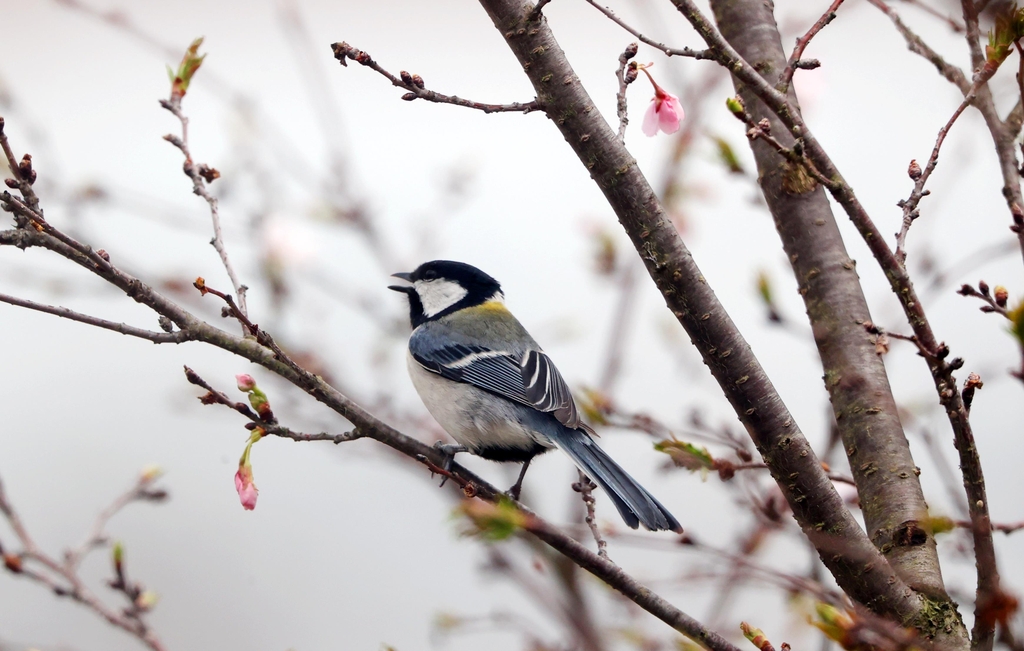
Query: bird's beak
[[401, 288]]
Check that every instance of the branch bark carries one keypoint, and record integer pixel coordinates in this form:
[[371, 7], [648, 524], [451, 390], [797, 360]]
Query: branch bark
[[857, 565], [890, 493]]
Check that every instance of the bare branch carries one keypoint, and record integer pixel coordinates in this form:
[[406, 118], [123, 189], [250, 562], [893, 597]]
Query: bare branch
[[917, 45], [63, 578], [920, 177], [200, 174], [803, 42], [669, 51], [414, 84], [585, 487], [176, 337], [624, 78]]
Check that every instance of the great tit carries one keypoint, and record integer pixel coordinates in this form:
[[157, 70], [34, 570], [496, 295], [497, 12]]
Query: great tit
[[491, 387]]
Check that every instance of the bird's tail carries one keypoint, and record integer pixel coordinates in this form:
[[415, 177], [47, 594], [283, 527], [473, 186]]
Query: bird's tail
[[634, 503]]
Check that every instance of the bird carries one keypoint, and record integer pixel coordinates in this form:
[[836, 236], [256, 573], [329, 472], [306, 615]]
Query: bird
[[493, 389]]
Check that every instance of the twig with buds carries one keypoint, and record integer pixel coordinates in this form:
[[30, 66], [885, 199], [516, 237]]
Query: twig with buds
[[920, 177], [215, 397], [625, 74], [761, 130], [200, 174], [416, 88], [796, 59], [23, 176], [63, 579], [585, 487]]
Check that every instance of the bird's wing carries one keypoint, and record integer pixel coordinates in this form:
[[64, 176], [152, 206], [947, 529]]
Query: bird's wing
[[530, 379], [547, 390]]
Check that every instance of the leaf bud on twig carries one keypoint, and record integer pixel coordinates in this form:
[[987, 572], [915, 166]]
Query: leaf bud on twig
[[631, 51], [735, 106], [983, 287], [631, 72], [1002, 295], [914, 170], [409, 97], [406, 77], [417, 81]]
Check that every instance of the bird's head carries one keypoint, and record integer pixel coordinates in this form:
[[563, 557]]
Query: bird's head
[[440, 287]]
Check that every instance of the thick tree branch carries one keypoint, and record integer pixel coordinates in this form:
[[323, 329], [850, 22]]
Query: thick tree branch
[[857, 565], [866, 414]]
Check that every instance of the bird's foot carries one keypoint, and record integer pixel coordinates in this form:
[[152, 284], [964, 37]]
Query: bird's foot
[[449, 450], [518, 486]]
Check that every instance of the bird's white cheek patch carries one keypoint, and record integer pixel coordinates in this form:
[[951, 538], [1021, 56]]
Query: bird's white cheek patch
[[438, 295]]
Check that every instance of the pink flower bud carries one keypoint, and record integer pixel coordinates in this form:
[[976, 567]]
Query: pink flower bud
[[665, 112], [247, 491], [245, 382]]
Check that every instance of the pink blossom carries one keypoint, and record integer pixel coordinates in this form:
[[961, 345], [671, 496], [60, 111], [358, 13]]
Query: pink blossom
[[245, 382], [664, 113], [247, 490]]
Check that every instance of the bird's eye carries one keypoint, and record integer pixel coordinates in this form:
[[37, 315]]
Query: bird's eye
[[430, 274]]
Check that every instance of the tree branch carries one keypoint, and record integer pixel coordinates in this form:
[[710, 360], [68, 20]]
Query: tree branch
[[414, 84], [857, 565], [176, 337], [200, 174], [63, 578], [803, 42], [891, 496], [668, 51]]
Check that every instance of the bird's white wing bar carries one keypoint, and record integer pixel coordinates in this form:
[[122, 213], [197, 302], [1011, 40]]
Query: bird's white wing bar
[[490, 370], [531, 380], [547, 390]]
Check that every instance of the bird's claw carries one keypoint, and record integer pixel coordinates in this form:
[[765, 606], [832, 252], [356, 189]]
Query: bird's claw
[[449, 450]]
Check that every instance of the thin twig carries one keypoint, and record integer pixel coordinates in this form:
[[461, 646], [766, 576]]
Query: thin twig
[[537, 9], [23, 184], [213, 396], [175, 337], [909, 206], [63, 579], [33, 218], [803, 42], [199, 173], [917, 45], [585, 487], [624, 78], [669, 51], [949, 20], [414, 84], [837, 478]]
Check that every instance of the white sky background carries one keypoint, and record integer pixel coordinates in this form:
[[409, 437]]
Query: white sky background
[[347, 548]]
